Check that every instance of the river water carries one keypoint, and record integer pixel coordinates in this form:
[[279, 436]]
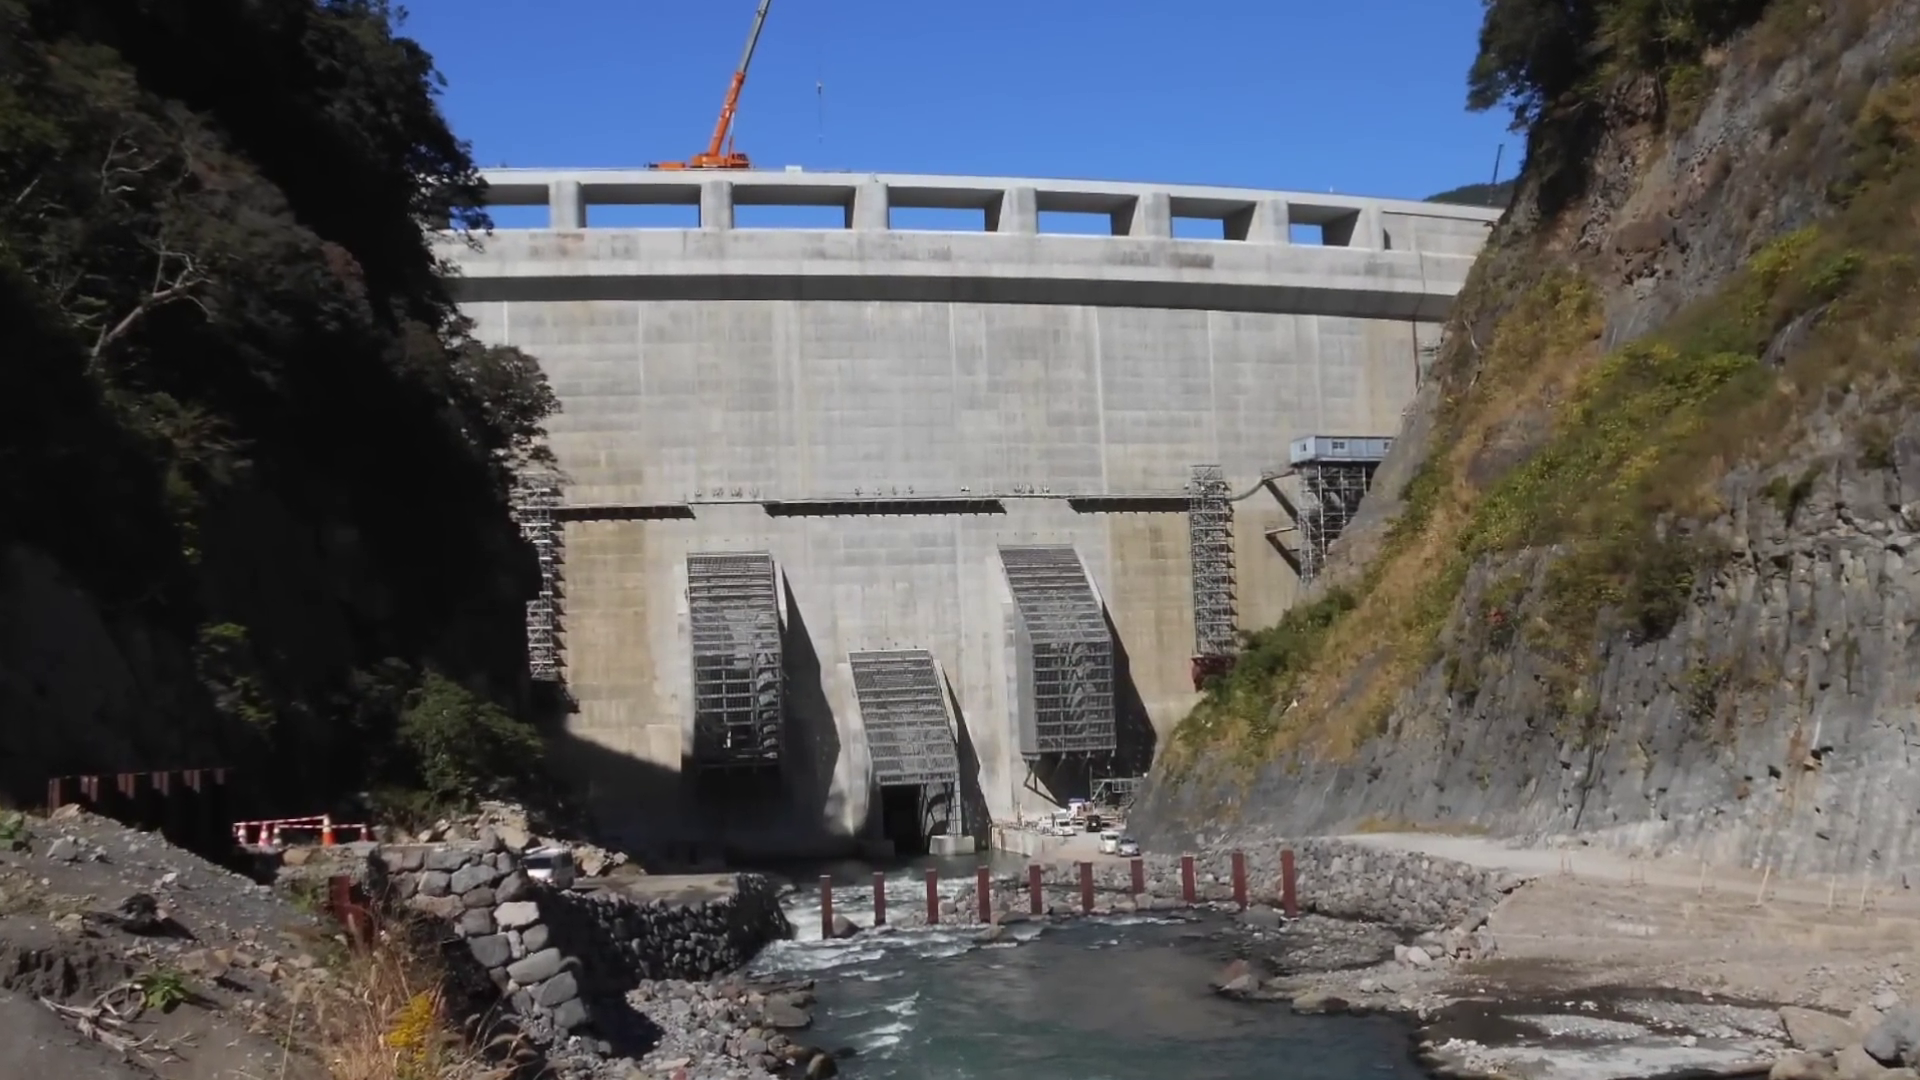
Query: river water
[[1122, 998]]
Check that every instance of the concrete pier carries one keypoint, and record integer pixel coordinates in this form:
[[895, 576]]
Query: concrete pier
[[915, 427]]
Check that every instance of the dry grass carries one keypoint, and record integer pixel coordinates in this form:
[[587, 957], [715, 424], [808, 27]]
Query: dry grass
[[1538, 353], [1378, 824], [384, 1016]]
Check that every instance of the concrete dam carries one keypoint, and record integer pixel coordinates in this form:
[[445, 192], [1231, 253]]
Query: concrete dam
[[867, 532]]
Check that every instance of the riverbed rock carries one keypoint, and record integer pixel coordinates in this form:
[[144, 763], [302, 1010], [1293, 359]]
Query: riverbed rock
[[784, 1015], [1316, 1004], [844, 927], [1854, 1063], [1818, 1032], [1237, 979], [1896, 1039], [1801, 1065]]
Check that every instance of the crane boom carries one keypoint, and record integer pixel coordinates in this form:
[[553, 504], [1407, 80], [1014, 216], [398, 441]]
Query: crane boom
[[720, 153]]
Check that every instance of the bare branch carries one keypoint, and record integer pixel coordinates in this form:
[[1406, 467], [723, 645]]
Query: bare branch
[[116, 174], [176, 277], [20, 199]]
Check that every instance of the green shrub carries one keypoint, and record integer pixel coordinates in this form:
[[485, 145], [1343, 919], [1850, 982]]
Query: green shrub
[[464, 747]]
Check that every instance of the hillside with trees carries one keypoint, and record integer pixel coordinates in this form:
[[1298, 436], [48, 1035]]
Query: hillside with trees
[[254, 471]]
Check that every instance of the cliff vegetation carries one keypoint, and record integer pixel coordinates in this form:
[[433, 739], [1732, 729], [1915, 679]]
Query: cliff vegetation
[[254, 471], [1676, 384]]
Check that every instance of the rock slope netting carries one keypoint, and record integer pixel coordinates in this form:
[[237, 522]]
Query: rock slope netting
[[1770, 714]]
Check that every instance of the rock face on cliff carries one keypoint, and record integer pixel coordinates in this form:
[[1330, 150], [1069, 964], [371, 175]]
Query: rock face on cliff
[[1644, 565]]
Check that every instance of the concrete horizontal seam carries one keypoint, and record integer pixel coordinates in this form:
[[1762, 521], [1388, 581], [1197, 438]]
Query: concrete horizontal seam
[[1361, 303]]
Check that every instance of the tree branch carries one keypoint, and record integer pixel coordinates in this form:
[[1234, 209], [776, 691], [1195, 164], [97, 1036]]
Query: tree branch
[[177, 286]]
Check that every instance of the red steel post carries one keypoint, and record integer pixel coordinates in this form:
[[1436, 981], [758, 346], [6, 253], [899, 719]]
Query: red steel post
[[1189, 889], [1139, 876], [826, 906], [933, 897], [879, 898], [1086, 888], [983, 889], [1240, 880], [1289, 897], [56, 791], [1034, 904]]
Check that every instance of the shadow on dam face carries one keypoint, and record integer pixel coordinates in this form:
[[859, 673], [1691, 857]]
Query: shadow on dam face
[[1073, 776], [664, 818]]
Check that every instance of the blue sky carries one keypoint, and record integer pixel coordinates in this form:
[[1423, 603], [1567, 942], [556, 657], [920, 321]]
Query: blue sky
[[1355, 96]]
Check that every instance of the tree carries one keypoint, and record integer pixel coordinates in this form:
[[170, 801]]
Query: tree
[[244, 412]]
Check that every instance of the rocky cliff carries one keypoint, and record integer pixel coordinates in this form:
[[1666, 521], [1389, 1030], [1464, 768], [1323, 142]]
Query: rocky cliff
[[1642, 567]]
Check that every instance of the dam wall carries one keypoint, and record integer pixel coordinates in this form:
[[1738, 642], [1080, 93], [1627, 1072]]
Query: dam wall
[[950, 474]]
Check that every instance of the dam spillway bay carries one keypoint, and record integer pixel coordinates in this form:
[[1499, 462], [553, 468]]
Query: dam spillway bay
[[866, 529]]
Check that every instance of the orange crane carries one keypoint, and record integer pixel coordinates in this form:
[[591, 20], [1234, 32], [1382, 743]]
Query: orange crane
[[720, 152]]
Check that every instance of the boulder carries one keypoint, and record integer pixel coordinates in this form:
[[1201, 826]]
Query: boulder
[[1895, 1040], [1817, 1032], [1315, 1004], [491, 950], [517, 914], [1236, 979], [1801, 1065], [537, 967], [783, 1015], [1854, 1063]]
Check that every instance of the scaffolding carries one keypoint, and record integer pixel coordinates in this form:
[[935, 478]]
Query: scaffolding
[[739, 687], [1335, 473], [1064, 654], [1117, 793], [535, 498], [910, 733], [1210, 540]]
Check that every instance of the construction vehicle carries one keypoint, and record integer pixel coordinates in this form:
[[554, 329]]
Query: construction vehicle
[[720, 153]]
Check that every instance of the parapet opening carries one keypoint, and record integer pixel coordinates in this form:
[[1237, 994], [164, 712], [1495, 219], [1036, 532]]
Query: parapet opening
[[1322, 226], [643, 216], [1063, 654], [788, 216], [1199, 228], [937, 218], [1078, 223], [519, 217], [739, 683], [911, 743]]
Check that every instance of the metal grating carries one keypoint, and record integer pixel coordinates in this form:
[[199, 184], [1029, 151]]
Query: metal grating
[[1065, 653], [1210, 540], [535, 498], [903, 706], [738, 678]]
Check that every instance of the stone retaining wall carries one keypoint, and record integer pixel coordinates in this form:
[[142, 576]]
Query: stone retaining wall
[[550, 951], [1332, 877]]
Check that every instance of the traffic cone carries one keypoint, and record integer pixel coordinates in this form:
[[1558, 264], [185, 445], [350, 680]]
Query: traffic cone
[[326, 830]]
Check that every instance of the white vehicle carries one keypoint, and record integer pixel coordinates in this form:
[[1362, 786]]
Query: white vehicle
[[1109, 843], [553, 865]]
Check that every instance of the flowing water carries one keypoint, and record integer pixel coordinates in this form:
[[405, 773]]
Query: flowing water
[[1121, 998]]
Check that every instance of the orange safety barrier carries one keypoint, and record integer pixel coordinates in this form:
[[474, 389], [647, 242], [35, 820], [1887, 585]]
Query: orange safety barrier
[[267, 831]]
